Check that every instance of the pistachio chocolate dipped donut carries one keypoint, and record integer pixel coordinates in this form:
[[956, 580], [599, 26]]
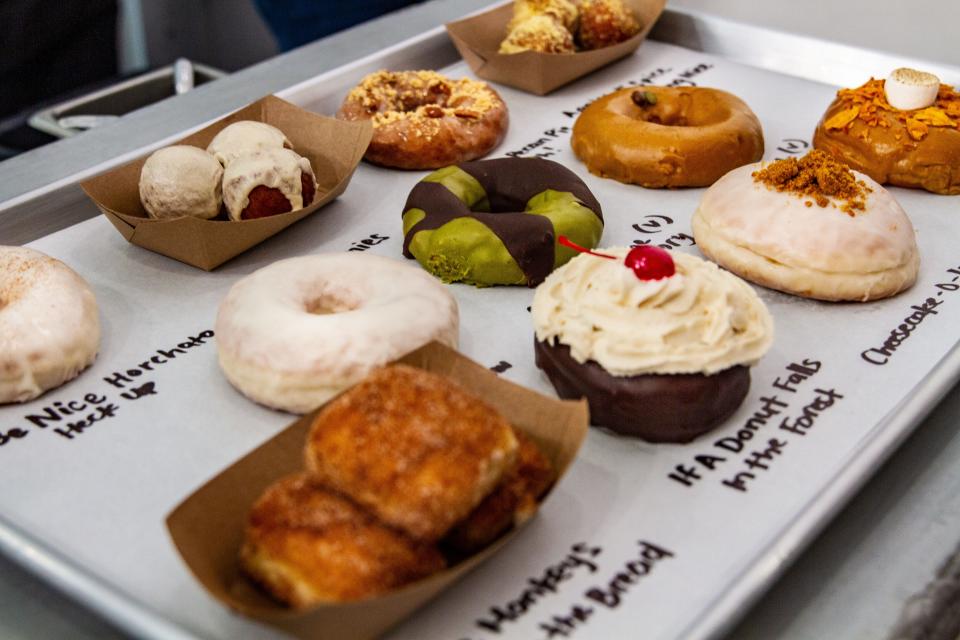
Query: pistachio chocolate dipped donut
[[497, 221], [667, 136]]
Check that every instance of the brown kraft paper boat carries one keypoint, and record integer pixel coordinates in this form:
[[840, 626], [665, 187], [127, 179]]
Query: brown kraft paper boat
[[208, 527], [334, 148], [478, 38]]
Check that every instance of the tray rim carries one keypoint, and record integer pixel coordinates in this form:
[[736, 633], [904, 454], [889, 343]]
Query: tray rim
[[133, 616]]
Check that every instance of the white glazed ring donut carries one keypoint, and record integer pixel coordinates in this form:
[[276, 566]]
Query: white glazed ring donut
[[297, 332], [49, 326]]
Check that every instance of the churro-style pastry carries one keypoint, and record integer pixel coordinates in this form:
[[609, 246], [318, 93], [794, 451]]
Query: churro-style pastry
[[307, 545], [604, 23], [540, 32], [513, 502], [412, 447]]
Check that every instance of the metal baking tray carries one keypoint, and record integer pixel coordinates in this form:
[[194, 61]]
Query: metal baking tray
[[87, 513]]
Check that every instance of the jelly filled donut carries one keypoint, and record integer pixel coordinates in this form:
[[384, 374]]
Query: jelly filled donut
[[811, 227], [667, 136], [49, 326], [496, 221], [423, 120], [659, 343], [267, 183], [297, 332], [904, 131]]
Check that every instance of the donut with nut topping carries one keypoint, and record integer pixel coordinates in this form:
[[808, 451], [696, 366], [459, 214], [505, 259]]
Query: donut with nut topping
[[424, 120]]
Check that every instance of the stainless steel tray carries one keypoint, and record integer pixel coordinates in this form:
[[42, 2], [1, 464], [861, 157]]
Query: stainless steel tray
[[58, 558]]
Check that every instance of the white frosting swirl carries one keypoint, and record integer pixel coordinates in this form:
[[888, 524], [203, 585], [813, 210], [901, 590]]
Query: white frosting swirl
[[700, 320]]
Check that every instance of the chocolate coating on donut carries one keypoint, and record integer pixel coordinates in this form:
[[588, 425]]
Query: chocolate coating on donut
[[654, 407], [509, 183]]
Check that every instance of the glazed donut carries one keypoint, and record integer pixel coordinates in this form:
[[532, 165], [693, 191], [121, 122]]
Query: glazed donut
[[423, 120], [245, 137], [667, 136], [297, 332], [473, 222], [49, 325], [860, 246], [181, 181], [916, 148]]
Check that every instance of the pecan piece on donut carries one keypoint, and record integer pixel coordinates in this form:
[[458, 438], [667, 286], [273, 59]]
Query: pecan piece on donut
[[433, 111]]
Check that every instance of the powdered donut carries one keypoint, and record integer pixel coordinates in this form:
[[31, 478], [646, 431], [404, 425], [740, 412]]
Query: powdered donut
[[49, 327], [297, 332]]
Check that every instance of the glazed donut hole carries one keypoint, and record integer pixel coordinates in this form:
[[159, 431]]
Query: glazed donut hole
[[689, 109]]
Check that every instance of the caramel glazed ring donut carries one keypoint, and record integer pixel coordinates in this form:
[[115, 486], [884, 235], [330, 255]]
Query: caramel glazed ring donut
[[667, 136], [299, 331], [49, 325], [423, 120]]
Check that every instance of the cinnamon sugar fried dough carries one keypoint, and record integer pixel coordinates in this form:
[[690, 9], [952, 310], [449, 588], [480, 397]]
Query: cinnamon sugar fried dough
[[513, 502], [307, 545], [413, 448]]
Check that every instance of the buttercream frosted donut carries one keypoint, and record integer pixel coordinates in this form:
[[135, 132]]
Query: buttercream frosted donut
[[297, 332], [811, 244], [181, 181], [266, 183], [661, 352], [49, 326], [246, 137]]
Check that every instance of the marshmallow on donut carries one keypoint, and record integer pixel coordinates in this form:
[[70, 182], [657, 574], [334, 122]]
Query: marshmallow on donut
[[908, 89], [49, 326], [297, 332]]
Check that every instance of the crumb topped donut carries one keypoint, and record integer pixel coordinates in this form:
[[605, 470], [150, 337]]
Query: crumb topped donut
[[915, 144], [266, 183], [297, 332], [49, 324], [424, 120], [811, 227], [667, 136]]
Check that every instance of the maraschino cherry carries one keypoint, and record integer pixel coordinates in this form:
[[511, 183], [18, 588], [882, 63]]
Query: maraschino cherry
[[648, 263]]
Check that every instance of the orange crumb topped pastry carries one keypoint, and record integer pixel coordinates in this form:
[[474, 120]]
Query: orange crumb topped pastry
[[424, 120], [604, 23], [811, 227], [903, 131], [538, 33], [562, 26]]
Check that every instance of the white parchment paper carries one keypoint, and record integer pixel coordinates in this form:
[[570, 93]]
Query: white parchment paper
[[622, 549]]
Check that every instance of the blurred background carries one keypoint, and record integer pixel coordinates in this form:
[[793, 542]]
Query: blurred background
[[58, 52]]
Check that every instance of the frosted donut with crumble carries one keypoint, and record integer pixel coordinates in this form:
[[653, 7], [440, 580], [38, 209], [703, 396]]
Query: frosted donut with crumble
[[299, 331], [424, 120], [813, 244], [49, 324]]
